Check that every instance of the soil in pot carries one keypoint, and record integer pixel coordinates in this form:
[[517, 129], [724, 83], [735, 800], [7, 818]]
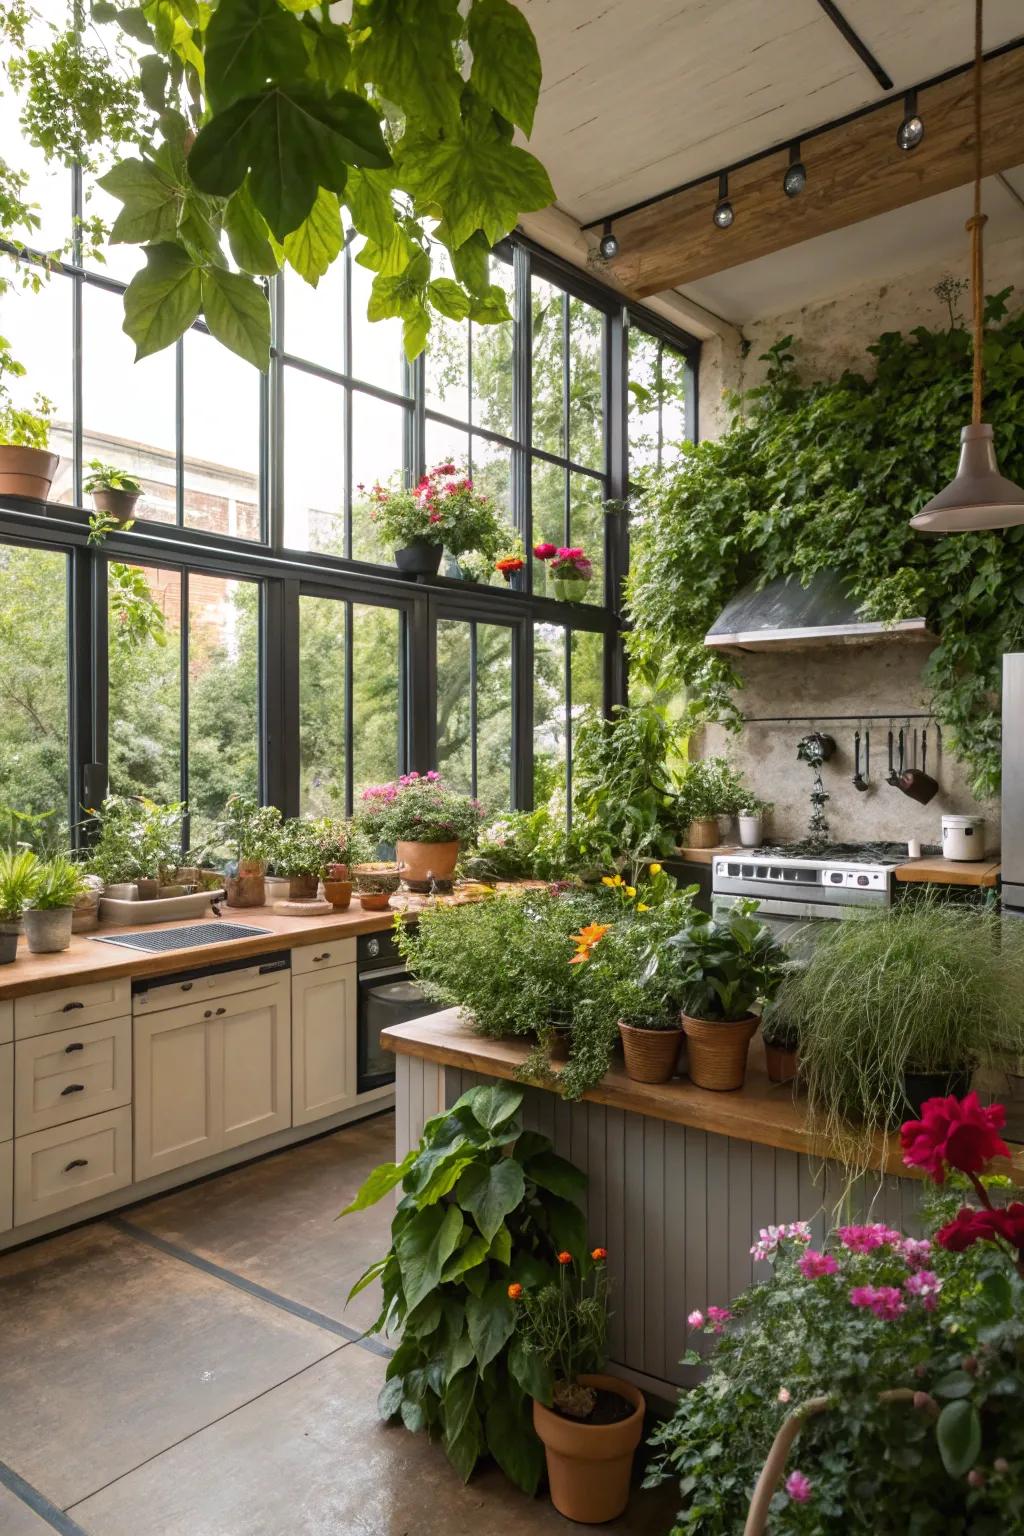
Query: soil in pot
[[49, 930], [9, 943], [421, 862], [717, 1051], [652, 1055], [419, 558], [302, 887], [590, 1462], [375, 901], [26, 472], [919, 1086], [338, 893]]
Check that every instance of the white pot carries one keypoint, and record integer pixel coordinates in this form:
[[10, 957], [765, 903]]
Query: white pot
[[750, 830], [963, 837]]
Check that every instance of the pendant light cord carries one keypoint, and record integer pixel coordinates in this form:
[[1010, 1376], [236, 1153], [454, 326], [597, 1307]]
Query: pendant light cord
[[976, 224]]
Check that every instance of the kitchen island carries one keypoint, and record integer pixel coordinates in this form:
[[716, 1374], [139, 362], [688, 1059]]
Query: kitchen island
[[680, 1178]]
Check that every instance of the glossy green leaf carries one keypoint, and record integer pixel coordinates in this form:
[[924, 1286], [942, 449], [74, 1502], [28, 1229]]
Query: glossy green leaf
[[490, 308], [413, 1416], [531, 1371], [415, 329], [506, 63], [476, 179], [501, 1246], [248, 235], [471, 261], [472, 1253], [558, 1175], [380, 1181], [512, 1441], [151, 200], [958, 1432], [161, 301], [954, 1384], [490, 1319], [154, 75], [248, 44], [368, 199], [459, 1396], [368, 1276], [312, 247], [567, 1225], [407, 53], [496, 1103], [238, 313], [389, 1398], [330, 58], [489, 1194], [423, 1248], [465, 1450]]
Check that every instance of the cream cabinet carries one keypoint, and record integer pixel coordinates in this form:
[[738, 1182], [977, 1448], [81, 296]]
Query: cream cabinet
[[6, 1185], [6, 1092], [323, 1042], [211, 1076], [58, 1168], [70, 1073]]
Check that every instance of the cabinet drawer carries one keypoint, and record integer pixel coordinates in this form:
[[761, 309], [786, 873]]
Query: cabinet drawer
[[47, 1011], [59, 1168], [6, 1185], [318, 957], [71, 1073], [6, 1021], [6, 1092]]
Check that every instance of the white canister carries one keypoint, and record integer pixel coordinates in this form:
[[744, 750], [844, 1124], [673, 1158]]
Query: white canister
[[750, 829], [963, 837]]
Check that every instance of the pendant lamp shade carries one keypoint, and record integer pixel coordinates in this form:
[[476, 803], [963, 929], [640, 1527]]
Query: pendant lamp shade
[[979, 497]]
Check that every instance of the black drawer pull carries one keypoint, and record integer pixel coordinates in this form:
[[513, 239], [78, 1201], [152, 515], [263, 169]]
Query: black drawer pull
[[186, 986], [208, 1013], [325, 956], [70, 1007], [220, 1011], [76, 1045], [72, 1088], [76, 1162]]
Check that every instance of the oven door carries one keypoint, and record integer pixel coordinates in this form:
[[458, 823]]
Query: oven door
[[798, 925], [387, 996]]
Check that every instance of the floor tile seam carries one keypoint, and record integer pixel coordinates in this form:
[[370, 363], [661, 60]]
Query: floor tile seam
[[37, 1502]]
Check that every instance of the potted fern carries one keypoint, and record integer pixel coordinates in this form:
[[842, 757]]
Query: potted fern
[[19, 872], [57, 886]]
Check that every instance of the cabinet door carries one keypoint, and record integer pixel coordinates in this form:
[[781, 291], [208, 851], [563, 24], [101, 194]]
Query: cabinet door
[[323, 1043], [178, 1090], [256, 1070], [6, 1185], [71, 1073]]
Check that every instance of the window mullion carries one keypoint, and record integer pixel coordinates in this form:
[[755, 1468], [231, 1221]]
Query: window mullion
[[183, 709]]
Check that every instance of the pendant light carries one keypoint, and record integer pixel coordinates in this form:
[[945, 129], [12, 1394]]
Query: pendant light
[[979, 498]]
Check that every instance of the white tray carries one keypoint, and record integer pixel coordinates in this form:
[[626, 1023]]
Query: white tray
[[164, 909]]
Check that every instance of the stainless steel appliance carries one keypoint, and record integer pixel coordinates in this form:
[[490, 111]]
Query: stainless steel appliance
[[1013, 785], [388, 994]]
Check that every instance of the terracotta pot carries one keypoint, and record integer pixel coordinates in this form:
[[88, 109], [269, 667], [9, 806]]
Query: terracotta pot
[[589, 1465], [781, 1063], [148, 889], [9, 942], [338, 872], [338, 893], [119, 504], [651, 1054], [302, 887], [718, 1051], [421, 861], [703, 833], [375, 901], [48, 931], [27, 472], [419, 558], [249, 887]]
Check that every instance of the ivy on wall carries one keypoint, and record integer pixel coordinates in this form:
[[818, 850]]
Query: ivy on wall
[[825, 476]]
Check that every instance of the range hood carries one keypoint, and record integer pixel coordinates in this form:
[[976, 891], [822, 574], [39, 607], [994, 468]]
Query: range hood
[[786, 616]]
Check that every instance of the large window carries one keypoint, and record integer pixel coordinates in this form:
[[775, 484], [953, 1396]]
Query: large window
[[34, 684], [661, 399]]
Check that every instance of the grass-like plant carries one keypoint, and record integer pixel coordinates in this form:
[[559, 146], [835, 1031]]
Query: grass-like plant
[[58, 883], [19, 875], [922, 987]]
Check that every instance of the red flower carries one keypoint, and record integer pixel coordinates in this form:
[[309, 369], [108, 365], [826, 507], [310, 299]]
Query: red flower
[[954, 1133], [597, 1254], [1009, 1223], [515, 1291], [544, 551], [967, 1227], [506, 567], [565, 1257]]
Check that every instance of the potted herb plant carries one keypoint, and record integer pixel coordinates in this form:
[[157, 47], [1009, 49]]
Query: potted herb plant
[[297, 857], [27, 466], [725, 969], [750, 817], [444, 511], [375, 885], [19, 874], [781, 1040], [570, 569], [710, 788], [114, 491], [425, 820], [592, 1426], [160, 852], [116, 845], [58, 885], [251, 832], [341, 846]]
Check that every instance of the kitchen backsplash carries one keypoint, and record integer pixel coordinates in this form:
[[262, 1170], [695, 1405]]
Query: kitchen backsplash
[[814, 686]]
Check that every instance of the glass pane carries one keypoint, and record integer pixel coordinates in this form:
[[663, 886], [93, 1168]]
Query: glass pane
[[444, 443], [321, 706], [586, 411], [378, 453], [587, 662], [586, 528], [49, 187], [377, 356], [223, 700], [314, 318], [675, 382], [549, 733], [144, 623], [34, 682], [492, 362], [128, 407], [548, 518], [221, 440], [377, 668], [644, 396], [39, 329], [447, 360], [548, 367], [454, 711], [494, 748], [314, 463]]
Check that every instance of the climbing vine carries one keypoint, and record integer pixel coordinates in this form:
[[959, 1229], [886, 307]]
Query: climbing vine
[[825, 476]]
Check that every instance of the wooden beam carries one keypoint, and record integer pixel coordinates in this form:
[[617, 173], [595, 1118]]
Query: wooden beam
[[854, 172]]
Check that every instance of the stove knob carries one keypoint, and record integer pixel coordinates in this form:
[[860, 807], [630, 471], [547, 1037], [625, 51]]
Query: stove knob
[[836, 877], [863, 879]]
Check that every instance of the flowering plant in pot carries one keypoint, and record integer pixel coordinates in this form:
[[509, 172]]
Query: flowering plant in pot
[[570, 570], [724, 969], [57, 886], [443, 511], [592, 1422], [27, 466], [19, 874], [425, 820], [341, 845], [510, 559], [114, 492], [250, 833]]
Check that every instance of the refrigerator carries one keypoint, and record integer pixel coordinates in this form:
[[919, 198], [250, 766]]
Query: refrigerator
[[1013, 784]]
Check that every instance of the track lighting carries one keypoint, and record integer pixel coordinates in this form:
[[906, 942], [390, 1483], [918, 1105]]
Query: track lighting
[[609, 245], [795, 179], [723, 214], [911, 131]]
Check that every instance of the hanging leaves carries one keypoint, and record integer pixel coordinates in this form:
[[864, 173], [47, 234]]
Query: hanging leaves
[[162, 300]]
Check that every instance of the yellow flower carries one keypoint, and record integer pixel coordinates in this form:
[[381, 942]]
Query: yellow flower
[[654, 869], [607, 880], [617, 880], [631, 890], [642, 906]]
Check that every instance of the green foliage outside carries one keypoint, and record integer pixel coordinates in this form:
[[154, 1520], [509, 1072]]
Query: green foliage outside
[[825, 476], [484, 1205]]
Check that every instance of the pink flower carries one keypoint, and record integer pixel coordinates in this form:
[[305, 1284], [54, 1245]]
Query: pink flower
[[544, 551], [798, 1486], [917, 1251], [954, 1133], [433, 776], [695, 1319], [867, 1239], [814, 1266], [784, 1395], [435, 517], [718, 1317], [884, 1301], [925, 1286], [769, 1238]]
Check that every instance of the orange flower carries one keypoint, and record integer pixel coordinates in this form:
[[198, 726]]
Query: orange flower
[[515, 1291], [580, 956], [565, 1257], [598, 1254], [591, 934]]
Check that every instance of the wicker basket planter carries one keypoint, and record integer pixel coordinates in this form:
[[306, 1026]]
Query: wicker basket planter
[[704, 832], [652, 1055], [718, 1051]]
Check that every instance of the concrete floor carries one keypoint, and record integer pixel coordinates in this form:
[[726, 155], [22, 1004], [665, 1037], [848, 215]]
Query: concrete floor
[[189, 1369]]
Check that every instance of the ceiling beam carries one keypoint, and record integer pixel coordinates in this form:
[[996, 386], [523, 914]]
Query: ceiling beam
[[854, 171]]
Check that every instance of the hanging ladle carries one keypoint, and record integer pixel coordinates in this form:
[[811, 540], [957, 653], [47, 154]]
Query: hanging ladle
[[858, 780], [892, 777]]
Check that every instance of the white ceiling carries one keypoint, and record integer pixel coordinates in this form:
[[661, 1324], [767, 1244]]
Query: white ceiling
[[643, 95]]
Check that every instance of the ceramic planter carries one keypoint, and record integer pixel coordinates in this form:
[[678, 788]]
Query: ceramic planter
[[85, 914], [651, 1054], [419, 558], [750, 830], [919, 1086], [276, 887], [781, 1062], [249, 887], [302, 887], [338, 893], [337, 872], [9, 942], [148, 890], [374, 901], [117, 504], [569, 589], [122, 890], [704, 832], [590, 1465], [717, 1051], [419, 862], [27, 472], [48, 931]]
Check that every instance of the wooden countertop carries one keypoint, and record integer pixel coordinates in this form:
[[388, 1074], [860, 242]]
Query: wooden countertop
[[979, 872], [762, 1111]]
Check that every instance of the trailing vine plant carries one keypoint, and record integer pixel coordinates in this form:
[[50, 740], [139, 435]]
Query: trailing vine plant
[[825, 476]]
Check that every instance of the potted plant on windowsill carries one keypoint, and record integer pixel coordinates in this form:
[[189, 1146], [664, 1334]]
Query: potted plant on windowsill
[[590, 1423], [251, 832], [114, 491], [725, 969], [710, 788], [57, 887], [443, 511], [137, 846], [570, 570], [19, 873], [27, 466], [425, 820]]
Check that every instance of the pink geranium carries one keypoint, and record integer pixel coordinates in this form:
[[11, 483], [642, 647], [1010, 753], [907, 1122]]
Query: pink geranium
[[865, 1239], [925, 1286], [798, 1486], [815, 1266], [885, 1301]]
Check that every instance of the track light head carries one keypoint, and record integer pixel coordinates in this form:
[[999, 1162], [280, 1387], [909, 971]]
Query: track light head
[[724, 213], [608, 245], [911, 131], [795, 178]]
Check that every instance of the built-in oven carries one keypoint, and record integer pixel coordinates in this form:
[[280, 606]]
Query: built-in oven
[[388, 994]]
